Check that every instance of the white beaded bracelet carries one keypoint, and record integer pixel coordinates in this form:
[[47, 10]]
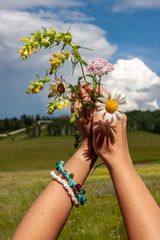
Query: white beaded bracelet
[[66, 187]]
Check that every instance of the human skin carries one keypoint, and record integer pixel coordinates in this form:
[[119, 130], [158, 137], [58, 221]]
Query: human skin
[[47, 216], [140, 212]]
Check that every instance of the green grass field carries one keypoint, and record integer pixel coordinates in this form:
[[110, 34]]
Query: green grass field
[[41, 153], [24, 173]]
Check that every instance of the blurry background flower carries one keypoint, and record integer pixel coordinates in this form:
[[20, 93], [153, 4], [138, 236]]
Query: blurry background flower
[[58, 88]]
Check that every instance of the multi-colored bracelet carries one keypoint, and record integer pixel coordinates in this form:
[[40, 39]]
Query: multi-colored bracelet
[[71, 182], [66, 187]]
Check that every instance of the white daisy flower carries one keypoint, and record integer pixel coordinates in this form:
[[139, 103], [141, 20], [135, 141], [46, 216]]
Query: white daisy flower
[[110, 106], [58, 88]]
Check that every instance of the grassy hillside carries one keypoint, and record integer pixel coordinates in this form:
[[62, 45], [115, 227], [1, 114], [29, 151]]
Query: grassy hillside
[[42, 152]]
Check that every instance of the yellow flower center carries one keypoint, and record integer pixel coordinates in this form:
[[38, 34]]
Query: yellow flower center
[[61, 88], [111, 106]]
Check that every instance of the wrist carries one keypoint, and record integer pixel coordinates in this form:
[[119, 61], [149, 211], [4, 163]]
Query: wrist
[[88, 149], [117, 161]]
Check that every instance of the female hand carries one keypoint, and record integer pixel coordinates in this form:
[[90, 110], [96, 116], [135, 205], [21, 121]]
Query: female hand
[[110, 139], [84, 122]]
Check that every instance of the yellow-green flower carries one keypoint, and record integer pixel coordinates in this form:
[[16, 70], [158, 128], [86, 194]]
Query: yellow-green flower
[[36, 90], [66, 102], [59, 56], [30, 52], [36, 50], [60, 105]]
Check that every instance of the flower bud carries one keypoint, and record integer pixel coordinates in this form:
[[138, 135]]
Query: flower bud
[[37, 35], [60, 105], [36, 90], [66, 54], [58, 34], [30, 52], [66, 102], [51, 32], [45, 43], [59, 56], [73, 45], [35, 50], [67, 38]]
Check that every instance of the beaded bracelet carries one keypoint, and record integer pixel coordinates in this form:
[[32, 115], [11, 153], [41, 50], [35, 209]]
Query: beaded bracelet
[[69, 177], [66, 187]]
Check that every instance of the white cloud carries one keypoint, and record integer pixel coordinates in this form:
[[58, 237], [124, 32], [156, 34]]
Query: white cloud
[[128, 5], [137, 81], [19, 4], [16, 74], [154, 103]]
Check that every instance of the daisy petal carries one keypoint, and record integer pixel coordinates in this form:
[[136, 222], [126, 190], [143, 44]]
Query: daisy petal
[[122, 100], [99, 104], [117, 97], [99, 108], [107, 117], [114, 118], [101, 112], [102, 99], [109, 95], [120, 115], [105, 96], [121, 110]]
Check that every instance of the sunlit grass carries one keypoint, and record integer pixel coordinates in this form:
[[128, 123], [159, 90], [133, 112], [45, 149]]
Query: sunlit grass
[[99, 219]]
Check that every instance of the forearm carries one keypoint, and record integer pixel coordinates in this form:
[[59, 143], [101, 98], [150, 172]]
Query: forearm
[[140, 212], [48, 214]]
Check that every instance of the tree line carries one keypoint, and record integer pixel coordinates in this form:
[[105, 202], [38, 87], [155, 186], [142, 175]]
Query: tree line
[[136, 120], [143, 120]]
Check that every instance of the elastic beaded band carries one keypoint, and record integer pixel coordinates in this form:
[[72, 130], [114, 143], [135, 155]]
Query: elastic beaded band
[[66, 187], [69, 177]]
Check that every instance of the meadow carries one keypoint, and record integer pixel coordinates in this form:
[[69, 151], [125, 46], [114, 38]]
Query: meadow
[[24, 172]]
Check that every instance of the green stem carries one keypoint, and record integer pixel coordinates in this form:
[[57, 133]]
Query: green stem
[[99, 85], [85, 78]]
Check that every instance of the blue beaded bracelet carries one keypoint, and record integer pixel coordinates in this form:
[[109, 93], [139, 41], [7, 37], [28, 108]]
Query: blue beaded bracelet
[[71, 183]]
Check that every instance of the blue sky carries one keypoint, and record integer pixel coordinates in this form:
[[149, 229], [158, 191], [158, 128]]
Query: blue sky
[[126, 32]]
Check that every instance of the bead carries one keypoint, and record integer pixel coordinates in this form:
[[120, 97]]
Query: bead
[[62, 162], [58, 168], [64, 171], [81, 202], [70, 182], [84, 199], [71, 175], [82, 191], [57, 163], [78, 186]]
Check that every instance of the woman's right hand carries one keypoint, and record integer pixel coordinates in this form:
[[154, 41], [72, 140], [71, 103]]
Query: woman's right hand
[[110, 139]]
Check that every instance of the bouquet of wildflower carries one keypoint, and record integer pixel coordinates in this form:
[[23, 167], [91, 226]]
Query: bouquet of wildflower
[[60, 90]]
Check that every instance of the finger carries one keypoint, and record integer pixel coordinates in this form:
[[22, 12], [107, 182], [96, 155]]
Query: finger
[[97, 119], [84, 92]]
